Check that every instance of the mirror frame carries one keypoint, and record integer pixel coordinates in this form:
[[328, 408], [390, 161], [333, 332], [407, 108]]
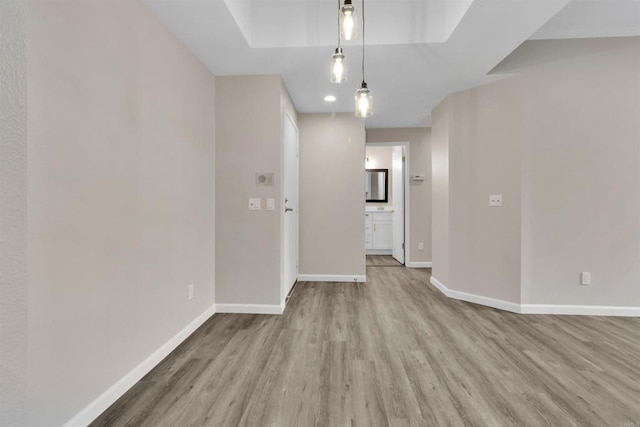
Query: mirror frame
[[386, 186]]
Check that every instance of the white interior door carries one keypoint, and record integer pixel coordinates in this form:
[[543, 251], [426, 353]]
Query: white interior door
[[397, 185], [290, 205]]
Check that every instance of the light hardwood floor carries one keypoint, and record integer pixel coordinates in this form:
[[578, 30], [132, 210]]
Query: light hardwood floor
[[392, 352], [382, 261]]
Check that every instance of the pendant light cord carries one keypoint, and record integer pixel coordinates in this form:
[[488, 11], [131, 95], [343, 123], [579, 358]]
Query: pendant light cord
[[363, 33], [338, 23]]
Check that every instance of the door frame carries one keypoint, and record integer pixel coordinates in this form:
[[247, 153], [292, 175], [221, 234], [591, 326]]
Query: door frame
[[286, 115], [407, 194]]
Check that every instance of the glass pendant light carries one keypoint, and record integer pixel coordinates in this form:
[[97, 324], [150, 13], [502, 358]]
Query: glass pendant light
[[364, 101], [338, 67], [348, 30], [363, 98], [338, 60]]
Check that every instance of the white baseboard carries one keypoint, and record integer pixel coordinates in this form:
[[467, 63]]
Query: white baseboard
[[330, 278], [250, 308], [477, 299], [418, 264], [581, 310], [113, 393], [379, 252]]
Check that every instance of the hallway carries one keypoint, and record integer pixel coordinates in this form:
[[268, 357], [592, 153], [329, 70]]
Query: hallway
[[392, 351]]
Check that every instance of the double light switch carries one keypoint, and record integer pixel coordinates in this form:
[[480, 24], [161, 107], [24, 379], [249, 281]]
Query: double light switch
[[255, 204]]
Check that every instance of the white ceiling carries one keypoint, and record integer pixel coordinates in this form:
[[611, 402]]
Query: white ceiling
[[417, 51]]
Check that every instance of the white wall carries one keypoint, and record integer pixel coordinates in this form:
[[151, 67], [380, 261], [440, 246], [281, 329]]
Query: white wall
[[419, 191], [440, 191], [484, 159], [13, 213], [581, 170], [247, 242], [249, 140], [560, 142], [380, 158], [121, 197], [477, 153], [332, 203]]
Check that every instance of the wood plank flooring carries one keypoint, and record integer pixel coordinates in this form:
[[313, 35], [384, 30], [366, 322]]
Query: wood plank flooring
[[392, 352], [382, 261]]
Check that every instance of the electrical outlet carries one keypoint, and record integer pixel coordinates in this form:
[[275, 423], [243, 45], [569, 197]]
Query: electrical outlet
[[495, 200], [420, 246], [191, 291], [585, 278]]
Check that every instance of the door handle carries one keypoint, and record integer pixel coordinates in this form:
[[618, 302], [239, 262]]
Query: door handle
[[286, 209]]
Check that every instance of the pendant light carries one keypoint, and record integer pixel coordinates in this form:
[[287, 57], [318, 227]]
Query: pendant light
[[338, 67], [363, 98], [338, 60], [348, 30]]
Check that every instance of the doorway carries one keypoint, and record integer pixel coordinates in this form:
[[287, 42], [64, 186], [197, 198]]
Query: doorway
[[387, 223]]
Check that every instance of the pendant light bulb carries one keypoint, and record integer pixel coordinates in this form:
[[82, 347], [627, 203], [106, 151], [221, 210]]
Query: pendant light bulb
[[338, 67], [364, 101], [348, 21]]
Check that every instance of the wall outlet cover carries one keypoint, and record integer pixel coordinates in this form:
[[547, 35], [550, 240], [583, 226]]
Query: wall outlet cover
[[254, 204], [495, 200]]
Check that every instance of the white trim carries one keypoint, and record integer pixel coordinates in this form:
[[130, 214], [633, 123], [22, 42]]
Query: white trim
[[285, 114], [379, 252], [477, 299], [250, 308], [90, 412], [330, 278], [418, 264], [581, 310]]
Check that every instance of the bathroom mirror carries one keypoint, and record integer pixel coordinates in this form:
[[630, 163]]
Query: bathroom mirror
[[376, 185]]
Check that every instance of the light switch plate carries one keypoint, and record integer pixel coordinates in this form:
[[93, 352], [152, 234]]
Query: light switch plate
[[271, 204], [254, 204], [495, 200]]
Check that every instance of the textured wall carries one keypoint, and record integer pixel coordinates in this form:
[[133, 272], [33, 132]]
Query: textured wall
[[13, 213]]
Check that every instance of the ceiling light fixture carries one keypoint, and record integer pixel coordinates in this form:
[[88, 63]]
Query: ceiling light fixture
[[364, 99], [338, 67], [348, 21], [338, 60], [330, 98]]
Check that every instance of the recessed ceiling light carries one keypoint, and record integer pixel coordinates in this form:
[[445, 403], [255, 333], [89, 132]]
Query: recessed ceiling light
[[329, 98]]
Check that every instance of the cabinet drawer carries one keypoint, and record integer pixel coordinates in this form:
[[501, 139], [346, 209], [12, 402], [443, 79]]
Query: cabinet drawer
[[382, 217]]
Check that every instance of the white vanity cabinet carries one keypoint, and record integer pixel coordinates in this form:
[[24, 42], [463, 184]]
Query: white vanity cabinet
[[378, 232]]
